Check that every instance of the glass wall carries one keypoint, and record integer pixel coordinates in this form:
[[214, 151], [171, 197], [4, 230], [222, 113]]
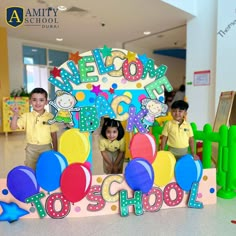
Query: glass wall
[[37, 65]]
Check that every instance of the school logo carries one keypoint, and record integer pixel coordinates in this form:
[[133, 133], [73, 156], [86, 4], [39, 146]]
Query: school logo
[[15, 16]]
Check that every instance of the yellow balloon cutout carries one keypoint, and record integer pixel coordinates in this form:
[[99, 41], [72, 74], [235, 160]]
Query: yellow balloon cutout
[[163, 167], [74, 145]]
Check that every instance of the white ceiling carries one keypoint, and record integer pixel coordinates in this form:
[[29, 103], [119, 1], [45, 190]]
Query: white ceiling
[[105, 22]]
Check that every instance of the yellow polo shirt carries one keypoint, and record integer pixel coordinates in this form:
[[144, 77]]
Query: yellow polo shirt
[[38, 131], [112, 146], [178, 135]]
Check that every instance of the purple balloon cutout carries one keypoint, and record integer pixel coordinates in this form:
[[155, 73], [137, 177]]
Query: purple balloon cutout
[[22, 183]]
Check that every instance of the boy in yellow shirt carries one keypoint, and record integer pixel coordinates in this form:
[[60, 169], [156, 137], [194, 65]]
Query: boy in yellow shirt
[[40, 135], [178, 133]]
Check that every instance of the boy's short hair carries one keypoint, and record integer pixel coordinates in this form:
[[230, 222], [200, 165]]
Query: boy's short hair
[[39, 90], [180, 104]]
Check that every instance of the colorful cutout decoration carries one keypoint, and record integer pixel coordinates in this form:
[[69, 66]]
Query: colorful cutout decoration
[[11, 212], [163, 167], [36, 200], [124, 86], [108, 73], [144, 146], [74, 145], [154, 109], [22, 183], [64, 103], [49, 168], [139, 175], [187, 172], [193, 196], [125, 202], [75, 182]]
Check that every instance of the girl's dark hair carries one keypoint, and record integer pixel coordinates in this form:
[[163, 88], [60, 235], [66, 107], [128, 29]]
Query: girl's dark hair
[[39, 90], [113, 123]]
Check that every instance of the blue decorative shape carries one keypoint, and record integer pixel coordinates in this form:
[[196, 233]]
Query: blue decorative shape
[[49, 168], [11, 212], [21, 182], [139, 175], [187, 172], [192, 203]]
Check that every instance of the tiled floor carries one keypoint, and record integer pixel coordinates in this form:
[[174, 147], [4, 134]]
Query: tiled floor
[[211, 220]]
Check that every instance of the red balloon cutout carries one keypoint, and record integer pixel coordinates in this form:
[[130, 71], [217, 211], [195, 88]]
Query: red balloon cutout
[[75, 182], [143, 146]]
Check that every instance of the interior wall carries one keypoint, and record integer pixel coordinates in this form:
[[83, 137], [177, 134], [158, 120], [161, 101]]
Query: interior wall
[[226, 48], [201, 54]]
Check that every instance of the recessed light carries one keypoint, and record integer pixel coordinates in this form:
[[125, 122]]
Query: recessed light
[[62, 8], [59, 39], [146, 32], [34, 50]]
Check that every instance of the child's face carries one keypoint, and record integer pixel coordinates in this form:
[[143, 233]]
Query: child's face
[[38, 102], [112, 133], [178, 114]]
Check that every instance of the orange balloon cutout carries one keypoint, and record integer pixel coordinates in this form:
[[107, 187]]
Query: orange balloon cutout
[[74, 145], [163, 166], [143, 146]]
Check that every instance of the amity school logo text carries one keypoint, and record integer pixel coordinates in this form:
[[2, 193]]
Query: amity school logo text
[[40, 17]]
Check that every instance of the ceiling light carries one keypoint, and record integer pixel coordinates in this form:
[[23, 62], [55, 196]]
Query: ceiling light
[[59, 39], [146, 32], [34, 50], [62, 8]]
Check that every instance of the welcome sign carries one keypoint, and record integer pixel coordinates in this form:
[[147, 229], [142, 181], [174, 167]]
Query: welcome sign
[[121, 85]]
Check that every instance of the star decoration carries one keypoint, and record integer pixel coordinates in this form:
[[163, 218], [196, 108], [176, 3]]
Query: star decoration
[[96, 89], [131, 56], [75, 57], [143, 58], [111, 90], [105, 51], [55, 72], [11, 212]]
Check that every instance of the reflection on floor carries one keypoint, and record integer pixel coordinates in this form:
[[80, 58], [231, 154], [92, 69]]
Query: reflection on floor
[[211, 220]]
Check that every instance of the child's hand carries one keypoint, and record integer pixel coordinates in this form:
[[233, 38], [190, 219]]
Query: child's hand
[[196, 157], [116, 169], [109, 169]]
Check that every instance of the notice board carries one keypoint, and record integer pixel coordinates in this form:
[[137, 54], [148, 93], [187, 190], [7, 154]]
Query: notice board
[[225, 115], [8, 102]]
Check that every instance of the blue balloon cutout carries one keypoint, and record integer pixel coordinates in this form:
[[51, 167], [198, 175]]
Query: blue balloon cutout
[[139, 175], [49, 168], [199, 167], [187, 172], [21, 182], [11, 212]]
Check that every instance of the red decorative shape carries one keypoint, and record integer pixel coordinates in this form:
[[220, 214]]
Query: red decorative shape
[[51, 209], [111, 90], [55, 72], [76, 182], [143, 146]]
